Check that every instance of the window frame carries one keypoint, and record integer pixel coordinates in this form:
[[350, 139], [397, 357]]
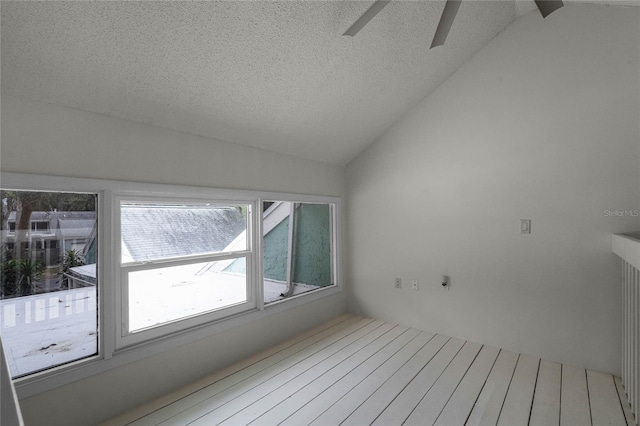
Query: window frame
[[124, 337], [36, 183], [34, 227], [109, 354], [333, 242]]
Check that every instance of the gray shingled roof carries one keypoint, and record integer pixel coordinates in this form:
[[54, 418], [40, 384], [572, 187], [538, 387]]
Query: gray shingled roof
[[76, 228], [150, 232], [55, 216]]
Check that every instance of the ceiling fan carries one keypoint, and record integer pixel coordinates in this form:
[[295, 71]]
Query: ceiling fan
[[446, 20]]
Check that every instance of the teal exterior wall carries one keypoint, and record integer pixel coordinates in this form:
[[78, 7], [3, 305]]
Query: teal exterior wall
[[275, 252], [90, 257], [312, 248]]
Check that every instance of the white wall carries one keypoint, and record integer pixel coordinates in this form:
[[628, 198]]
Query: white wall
[[543, 123], [50, 139]]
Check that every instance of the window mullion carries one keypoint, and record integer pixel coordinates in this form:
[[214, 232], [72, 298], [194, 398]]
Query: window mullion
[[290, 245], [257, 281]]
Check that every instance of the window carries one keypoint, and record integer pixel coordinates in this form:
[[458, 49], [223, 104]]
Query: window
[[297, 248], [44, 321], [133, 269], [182, 263], [39, 226]]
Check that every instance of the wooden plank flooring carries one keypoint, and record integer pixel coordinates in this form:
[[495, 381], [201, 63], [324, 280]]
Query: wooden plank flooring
[[359, 371]]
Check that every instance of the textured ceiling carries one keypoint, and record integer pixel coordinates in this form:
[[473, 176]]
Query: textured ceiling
[[275, 75]]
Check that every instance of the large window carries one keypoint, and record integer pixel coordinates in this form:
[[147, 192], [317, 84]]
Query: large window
[[182, 263], [96, 274], [48, 297]]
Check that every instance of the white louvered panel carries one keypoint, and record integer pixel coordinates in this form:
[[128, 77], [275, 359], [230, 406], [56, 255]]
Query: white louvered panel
[[625, 324], [631, 335], [636, 342]]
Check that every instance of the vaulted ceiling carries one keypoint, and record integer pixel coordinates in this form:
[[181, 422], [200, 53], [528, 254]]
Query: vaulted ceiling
[[275, 75]]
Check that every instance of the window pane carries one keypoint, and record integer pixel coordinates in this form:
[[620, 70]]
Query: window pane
[[161, 231], [296, 260], [165, 294], [48, 298]]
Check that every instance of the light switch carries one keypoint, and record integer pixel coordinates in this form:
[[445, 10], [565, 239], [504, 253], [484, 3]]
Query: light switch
[[525, 226]]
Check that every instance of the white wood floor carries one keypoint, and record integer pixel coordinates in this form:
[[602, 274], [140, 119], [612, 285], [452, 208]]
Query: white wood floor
[[359, 371]]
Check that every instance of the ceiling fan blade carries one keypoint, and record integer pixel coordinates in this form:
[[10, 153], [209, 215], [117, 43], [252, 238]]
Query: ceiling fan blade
[[546, 7], [446, 20], [376, 7]]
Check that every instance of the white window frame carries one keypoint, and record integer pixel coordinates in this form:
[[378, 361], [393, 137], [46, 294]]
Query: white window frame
[[109, 306], [124, 336]]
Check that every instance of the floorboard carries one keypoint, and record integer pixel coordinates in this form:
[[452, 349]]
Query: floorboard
[[491, 399], [202, 402], [437, 397], [406, 401], [517, 404], [329, 396], [370, 409], [291, 396], [605, 403], [345, 406], [626, 408], [359, 371], [575, 408], [463, 399], [546, 400], [230, 403]]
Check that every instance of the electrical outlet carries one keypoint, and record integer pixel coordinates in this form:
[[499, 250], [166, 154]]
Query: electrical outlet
[[444, 283], [415, 285], [398, 282]]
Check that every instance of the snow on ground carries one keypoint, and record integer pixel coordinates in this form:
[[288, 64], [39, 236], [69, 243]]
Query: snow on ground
[[161, 295], [50, 329]]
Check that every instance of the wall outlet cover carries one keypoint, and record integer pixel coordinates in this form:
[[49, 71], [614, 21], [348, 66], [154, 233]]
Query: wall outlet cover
[[445, 283]]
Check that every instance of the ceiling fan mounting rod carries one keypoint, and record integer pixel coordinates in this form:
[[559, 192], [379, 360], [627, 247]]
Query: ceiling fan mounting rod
[[449, 12]]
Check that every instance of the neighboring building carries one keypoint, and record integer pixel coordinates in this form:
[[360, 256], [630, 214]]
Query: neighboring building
[[52, 233], [74, 233]]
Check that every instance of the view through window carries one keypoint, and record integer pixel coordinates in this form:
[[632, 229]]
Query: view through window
[[178, 262], [297, 248], [48, 279], [181, 260]]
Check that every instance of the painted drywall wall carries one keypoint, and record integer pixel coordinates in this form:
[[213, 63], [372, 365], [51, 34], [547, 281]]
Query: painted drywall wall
[[50, 139], [542, 124]]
